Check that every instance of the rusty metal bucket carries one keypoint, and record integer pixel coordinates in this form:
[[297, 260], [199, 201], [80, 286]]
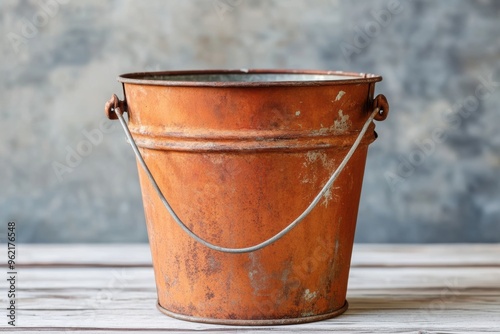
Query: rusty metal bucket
[[251, 183]]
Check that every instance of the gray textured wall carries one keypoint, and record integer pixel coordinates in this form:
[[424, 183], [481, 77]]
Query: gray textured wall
[[440, 62]]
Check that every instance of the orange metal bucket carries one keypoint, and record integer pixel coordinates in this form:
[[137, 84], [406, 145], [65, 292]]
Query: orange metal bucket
[[238, 156]]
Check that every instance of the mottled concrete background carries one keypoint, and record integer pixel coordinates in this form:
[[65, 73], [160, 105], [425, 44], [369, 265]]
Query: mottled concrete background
[[433, 175]]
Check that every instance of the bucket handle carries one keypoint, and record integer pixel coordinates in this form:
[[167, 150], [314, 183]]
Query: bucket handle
[[113, 110]]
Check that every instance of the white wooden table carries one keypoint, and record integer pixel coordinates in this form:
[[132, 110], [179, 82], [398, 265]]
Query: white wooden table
[[392, 288]]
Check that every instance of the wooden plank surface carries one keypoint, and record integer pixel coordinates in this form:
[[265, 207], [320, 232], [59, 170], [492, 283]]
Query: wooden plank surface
[[138, 255], [392, 289]]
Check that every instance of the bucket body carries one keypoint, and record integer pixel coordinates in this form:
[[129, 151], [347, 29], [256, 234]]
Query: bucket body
[[239, 155]]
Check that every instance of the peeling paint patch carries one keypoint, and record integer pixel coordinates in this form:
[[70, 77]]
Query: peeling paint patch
[[308, 295], [297, 113], [312, 156], [342, 123], [339, 95], [327, 197], [217, 159], [308, 314], [257, 275]]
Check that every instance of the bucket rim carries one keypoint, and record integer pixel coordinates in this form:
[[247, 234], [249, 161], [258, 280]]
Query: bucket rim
[[159, 78]]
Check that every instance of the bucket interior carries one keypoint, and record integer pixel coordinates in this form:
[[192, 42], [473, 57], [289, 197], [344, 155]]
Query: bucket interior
[[247, 77], [250, 77]]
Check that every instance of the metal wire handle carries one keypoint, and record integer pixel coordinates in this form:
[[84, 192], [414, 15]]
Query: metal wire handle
[[376, 112]]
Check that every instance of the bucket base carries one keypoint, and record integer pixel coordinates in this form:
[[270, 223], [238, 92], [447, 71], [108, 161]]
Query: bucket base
[[256, 322]]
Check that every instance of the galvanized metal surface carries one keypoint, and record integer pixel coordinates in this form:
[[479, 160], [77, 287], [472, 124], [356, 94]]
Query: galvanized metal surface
[[238, 160], [247, 78]]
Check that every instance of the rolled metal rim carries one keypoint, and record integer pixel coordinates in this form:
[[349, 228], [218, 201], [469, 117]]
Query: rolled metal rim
[[251, 78], [255, 322]]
